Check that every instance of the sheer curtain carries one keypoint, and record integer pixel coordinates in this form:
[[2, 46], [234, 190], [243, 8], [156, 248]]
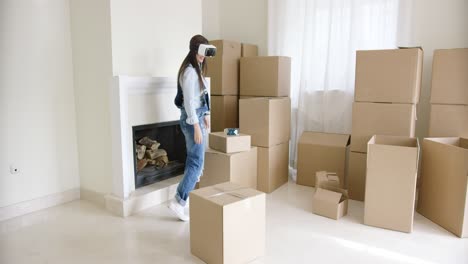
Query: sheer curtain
[[321, 37]]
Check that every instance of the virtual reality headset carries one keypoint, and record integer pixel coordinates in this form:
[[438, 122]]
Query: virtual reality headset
[[207, 50]]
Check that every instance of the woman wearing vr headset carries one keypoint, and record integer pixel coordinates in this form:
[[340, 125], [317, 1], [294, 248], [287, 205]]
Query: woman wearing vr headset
[[193, 101]]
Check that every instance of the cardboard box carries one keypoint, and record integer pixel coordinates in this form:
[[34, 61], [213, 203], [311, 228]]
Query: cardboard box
[[381, 119], [249, 50], [321, 152], [388, 76], [449, 77], [356, 181], [443, 195], [240, 168], [273, 167], [324, 178], [448, 120], [330, 202], [267, 120], [224, 67], [227, 224], [265, 76], [224, 112], [392, 168], [229, 144]]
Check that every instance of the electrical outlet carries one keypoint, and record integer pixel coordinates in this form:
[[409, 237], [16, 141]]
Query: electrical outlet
[[14, 169]]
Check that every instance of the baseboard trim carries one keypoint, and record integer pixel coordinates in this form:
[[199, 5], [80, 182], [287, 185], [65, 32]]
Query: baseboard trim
[[94, 197], [23, 208], [142, 200]]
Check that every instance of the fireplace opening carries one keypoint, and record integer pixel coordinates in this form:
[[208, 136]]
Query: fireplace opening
[[159, 151]]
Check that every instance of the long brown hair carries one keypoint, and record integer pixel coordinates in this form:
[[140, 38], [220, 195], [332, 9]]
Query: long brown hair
[[191, 59]]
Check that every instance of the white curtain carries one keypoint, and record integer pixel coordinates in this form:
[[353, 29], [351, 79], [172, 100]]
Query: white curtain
[[321, 37]]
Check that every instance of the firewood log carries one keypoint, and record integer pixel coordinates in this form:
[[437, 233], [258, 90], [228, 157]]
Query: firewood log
[[162, 161], [153, 154], [141, 164], [140, 150], [149, 143]]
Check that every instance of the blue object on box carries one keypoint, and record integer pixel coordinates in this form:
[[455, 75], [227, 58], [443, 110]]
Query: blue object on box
[[231, 131]]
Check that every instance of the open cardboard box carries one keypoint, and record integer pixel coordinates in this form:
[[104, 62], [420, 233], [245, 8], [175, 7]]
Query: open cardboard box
[[329, 200]]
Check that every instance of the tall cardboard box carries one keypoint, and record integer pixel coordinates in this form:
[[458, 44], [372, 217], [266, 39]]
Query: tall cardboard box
[[267, 120], [388, 76], [229, 144], [448, 120], [443, 195], [265, 76], [321, 152], [224, 67], [273, 167], [224, 112], [249, 50], [392, 167], [227, 224], [356, 181], [239, 167], [449, 77], [381, 119]]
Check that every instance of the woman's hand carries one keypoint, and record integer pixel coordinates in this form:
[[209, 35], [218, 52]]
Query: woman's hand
[[207, 121], [198, 136]]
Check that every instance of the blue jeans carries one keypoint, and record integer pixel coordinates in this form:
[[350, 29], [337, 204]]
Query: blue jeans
[[195, 156]]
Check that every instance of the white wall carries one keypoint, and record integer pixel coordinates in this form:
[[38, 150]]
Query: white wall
[[92, 60], [242, 20], [38, 122], [436, 25], [151, 37]]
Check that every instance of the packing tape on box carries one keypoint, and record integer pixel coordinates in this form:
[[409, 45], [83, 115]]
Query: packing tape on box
[[247, 202], [229, 192]]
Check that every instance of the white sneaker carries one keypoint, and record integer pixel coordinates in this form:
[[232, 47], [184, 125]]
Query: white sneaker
[[179, 210]]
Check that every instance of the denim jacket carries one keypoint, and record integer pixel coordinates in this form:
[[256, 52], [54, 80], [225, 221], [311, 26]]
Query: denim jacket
[[190, 97]]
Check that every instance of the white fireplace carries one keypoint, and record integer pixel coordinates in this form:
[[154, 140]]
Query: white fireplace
[[137, 101]]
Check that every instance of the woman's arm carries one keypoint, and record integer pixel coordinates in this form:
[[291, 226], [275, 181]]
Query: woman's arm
[[190, 89]]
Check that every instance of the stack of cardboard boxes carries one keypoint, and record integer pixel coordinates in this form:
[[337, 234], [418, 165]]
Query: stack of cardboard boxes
[[230, 159], [387, 91], [449, 94], [265, 114], [443, 193], [223, 69]]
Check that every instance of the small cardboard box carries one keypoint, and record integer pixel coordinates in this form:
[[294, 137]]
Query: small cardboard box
[[324, 178], [392, 168], [267, 120], [224, 67], [239, 167], [388, 76], [273, 167], [330, 202], [265, 76], [356, 181], [448, 120], [227, 224], [321, 152], [224, 112], [381, 119], [229, 144], [249, 50], [443, 195], [449, 77]]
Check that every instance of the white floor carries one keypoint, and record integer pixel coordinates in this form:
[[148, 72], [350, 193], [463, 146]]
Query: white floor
[[79, 232]]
